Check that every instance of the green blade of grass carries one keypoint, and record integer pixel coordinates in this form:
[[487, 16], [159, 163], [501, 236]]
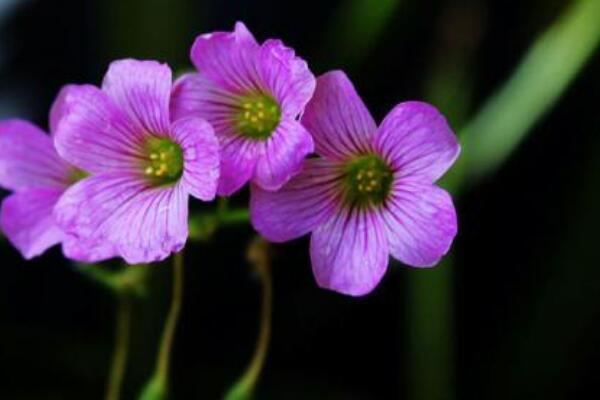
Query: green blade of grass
[[535, 86]]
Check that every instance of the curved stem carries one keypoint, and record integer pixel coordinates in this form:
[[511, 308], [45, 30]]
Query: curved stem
[[121, 351], [162, 366], [245, 385], [157, 387]]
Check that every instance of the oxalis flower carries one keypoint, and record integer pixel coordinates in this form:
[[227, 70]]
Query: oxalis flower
[[143, 166], [31, 168], [371, 193], [252, 95]]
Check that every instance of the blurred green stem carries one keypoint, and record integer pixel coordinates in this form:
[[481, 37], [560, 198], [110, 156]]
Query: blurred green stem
[[431, 333], [492, 135], [244, 387], [157, 387], [121, 350], [125, 283], [431, 357], [203, 225]]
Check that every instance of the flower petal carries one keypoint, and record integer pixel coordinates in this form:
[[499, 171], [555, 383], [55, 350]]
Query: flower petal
[[28, 158], [337, 118], [87, 251], [93, 134], [201, 156], [420, 221], [416, 139], [228, 58], [194, 95], [306, 201], [58, 109], [282, 155], [286, 77], [142, 90], [145, 224], [349, 253], [238, 162], [26, 219]]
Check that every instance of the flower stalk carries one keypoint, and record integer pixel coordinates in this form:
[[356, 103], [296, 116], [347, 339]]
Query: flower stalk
[[157, 386], [244, 387], [121, 350], [203, 225]]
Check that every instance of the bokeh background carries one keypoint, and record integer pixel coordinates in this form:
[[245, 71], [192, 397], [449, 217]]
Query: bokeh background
[[512, 313]]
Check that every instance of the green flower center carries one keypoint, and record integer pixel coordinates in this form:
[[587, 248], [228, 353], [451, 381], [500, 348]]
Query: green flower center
[[164, 163], [257, 116], [368, 180], [76, 175]]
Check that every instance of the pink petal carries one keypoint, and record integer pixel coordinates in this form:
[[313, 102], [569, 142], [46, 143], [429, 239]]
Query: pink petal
[[201, 156], [282, 155], [142, 90], [26, 220], [87, 251], [93, 134], [305, 202], [349, 253], [227, 58], [194, 95], [285, 76], [28, 158], [337, 118], [238, 161], [416, 139], [145, 224], [420, 221], [58, 109]]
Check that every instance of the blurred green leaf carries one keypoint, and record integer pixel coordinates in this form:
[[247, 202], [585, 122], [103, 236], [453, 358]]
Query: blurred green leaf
[[546, 70], [538, 82], [356, 26], [156, 389]]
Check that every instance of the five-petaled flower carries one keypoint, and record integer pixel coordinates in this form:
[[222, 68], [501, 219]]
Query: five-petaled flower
[[370, 194], [142, 166], [252, 95], [30, 167]]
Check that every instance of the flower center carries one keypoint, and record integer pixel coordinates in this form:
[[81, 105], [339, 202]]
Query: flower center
[[164, 163], [368, 180], [76, 175], [258, 116]]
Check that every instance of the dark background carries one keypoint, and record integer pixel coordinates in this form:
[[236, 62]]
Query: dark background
[[524, 304]]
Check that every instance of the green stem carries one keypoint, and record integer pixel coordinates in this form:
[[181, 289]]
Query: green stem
[[157, 387], [244, 387], [204, 225], [121, 351], [235, 216], [431, 333]]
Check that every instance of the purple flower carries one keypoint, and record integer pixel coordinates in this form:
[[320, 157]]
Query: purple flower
[[143, 166], [252, 95], [371, 193], [31, 168]]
